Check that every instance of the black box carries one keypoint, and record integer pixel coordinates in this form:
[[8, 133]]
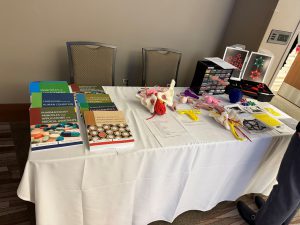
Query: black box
[[259, 91], [202, 82]]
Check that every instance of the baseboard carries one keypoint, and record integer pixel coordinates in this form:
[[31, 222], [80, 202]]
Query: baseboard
[[14, 112]]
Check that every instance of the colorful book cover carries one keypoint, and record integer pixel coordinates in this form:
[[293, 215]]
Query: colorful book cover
[[49, 87], [78, 88], [39, 100], [92, 98], [107, 129], [54, 127], [98, 107]]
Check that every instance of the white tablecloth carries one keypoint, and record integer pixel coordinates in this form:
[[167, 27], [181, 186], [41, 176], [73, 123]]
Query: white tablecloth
[[73, 186]]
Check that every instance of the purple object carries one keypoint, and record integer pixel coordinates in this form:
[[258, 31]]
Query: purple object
[[190, 93], [235, 95]]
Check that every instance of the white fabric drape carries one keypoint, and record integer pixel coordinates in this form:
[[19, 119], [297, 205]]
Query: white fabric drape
[[147, 182]]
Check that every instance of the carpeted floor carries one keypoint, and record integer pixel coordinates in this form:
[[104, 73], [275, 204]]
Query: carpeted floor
[[13, 211]]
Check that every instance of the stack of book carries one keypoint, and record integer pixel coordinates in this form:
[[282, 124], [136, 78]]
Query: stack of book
[[92, 98], [53, 118], [106, 126], [95, 102], [78, 88]]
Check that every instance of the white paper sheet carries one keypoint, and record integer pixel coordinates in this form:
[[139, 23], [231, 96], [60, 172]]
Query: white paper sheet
[[167, 129]]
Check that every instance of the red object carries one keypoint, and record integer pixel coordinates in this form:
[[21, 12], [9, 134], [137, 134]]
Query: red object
[[114, 141], [102, 134], [37, 136], [259, 91], [160, 107], [75, 88], [35, 116], [236, 60], [251, 92], [255, 74], [260, 86]]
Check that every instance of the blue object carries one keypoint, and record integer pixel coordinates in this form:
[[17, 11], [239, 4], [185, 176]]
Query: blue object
[[235, 95], [34, 87], [57, 99], [60, 138], [80, 98]]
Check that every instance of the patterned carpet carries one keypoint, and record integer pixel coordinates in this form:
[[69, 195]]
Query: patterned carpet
[[13, 211]]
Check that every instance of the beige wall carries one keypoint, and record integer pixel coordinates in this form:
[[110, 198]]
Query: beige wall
[[34, 32], [286, 17], [248, 23]]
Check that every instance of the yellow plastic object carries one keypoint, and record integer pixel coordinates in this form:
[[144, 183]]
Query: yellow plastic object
[[266, 119], [273, 112], [192, 113], [233, 131]]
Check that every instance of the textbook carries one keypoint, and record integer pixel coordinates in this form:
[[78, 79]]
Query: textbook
[[110, 106], [39, 100], [49, 87], [92, 98], [78, 88], [107, 129], [53, 127]]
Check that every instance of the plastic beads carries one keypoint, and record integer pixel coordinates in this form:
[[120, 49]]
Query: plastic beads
[[245, 102]]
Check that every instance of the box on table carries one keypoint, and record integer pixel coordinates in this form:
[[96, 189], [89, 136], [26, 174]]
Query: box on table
[[257, 90], [203, 82]]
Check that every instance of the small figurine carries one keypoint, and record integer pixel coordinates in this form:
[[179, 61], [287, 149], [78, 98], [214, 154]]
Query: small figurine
[[156, 99], [189, 93], [209, 103], [190, 113], [209, 99], [183, 99]]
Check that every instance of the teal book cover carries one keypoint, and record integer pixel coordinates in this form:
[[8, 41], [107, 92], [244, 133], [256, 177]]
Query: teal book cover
[[49, 87]]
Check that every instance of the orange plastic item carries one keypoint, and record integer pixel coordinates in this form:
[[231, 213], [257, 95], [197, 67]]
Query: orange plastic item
[[37, 136]]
